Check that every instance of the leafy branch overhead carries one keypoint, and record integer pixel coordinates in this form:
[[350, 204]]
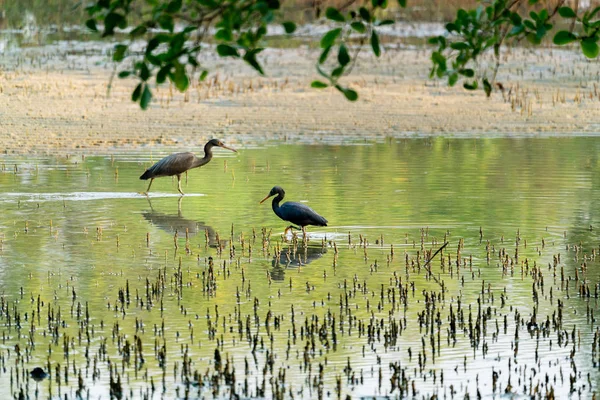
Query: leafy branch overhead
[[488, 28], [173, 32]]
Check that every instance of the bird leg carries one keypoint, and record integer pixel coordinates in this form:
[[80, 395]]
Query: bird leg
[[179, 184], [179, 206], [148, 190], [289, 228]]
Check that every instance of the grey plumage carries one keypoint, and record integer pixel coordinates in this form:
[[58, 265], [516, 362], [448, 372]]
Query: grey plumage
[[178, 163]]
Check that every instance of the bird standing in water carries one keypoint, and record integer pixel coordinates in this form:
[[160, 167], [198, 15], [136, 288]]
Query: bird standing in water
[[178, 163], [296, 213]]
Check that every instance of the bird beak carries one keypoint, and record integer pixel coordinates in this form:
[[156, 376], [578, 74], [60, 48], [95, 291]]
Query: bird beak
[[263, 200], [228, 148]]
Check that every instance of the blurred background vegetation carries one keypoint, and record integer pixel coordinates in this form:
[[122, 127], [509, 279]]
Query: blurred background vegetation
[[13, 13]]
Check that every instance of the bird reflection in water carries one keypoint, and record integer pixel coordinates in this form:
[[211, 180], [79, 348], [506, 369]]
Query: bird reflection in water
[[292, 257], [172, 223]]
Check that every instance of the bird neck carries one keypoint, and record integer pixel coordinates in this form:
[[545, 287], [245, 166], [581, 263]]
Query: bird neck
[[207, 156], [275, 202]]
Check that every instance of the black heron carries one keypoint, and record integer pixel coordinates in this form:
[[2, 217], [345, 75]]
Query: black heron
[[178, 163], [296, 213]]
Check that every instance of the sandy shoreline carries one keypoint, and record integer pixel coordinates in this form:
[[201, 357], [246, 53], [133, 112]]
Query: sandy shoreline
[[53, 100]]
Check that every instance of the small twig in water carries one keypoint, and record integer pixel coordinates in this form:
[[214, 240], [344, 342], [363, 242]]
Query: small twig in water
[[428, 261]]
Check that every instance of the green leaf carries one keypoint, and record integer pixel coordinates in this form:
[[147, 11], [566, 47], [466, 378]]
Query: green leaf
[[136, 93], [166, 22], [337, 72], [438, 57], [487, 87], [318, 85], [515, 18], [452, 27], [459, 46], [567, 12], [437, 40], [343, 56], [224, 35], [468, 72], [91, 24], [364, 14], [402, 3], [250, 58], [471, 86], [334, 15], [273, 4], [144, 71], [564, 37], [161, 75], [375, 43], [529, 24], [138, 31], [324, 54], [358, 27], [349, 93], [119, 53], [180, 78], [124, 74], [176, 45], [193, 62], [153, 44], [174, 6], [385, 22], [452, 79], [203, 76], [379, 3], [533, 38], [225, 50], [112, 21], [591, 14], [289, 27], [590, 47], [516, 30], [329, 38], [533, 15], [188, 29], [146, 97]]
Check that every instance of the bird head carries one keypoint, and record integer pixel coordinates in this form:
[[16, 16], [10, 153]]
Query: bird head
[[218, 143], [273, 192]]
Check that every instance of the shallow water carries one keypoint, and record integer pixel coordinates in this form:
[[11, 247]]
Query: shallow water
[[75, 232]]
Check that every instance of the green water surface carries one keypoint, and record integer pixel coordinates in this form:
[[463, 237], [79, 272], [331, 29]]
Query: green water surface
[[76, 234]]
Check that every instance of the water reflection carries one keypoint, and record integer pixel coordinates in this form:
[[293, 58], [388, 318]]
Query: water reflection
[[292, 257], [173, 223], [517, 214]]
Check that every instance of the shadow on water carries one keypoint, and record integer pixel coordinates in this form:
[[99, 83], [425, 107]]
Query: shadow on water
[[173, 223], [294, 257]]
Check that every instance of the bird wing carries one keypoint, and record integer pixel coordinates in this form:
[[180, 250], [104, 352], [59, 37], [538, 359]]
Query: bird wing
[[174, 164], [300, 214]]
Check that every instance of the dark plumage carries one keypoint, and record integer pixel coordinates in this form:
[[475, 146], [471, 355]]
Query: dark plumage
[[38, 374], [296, 213], [178, 163]]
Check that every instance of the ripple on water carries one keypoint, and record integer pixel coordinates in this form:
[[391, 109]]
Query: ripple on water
[[84, 196]]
